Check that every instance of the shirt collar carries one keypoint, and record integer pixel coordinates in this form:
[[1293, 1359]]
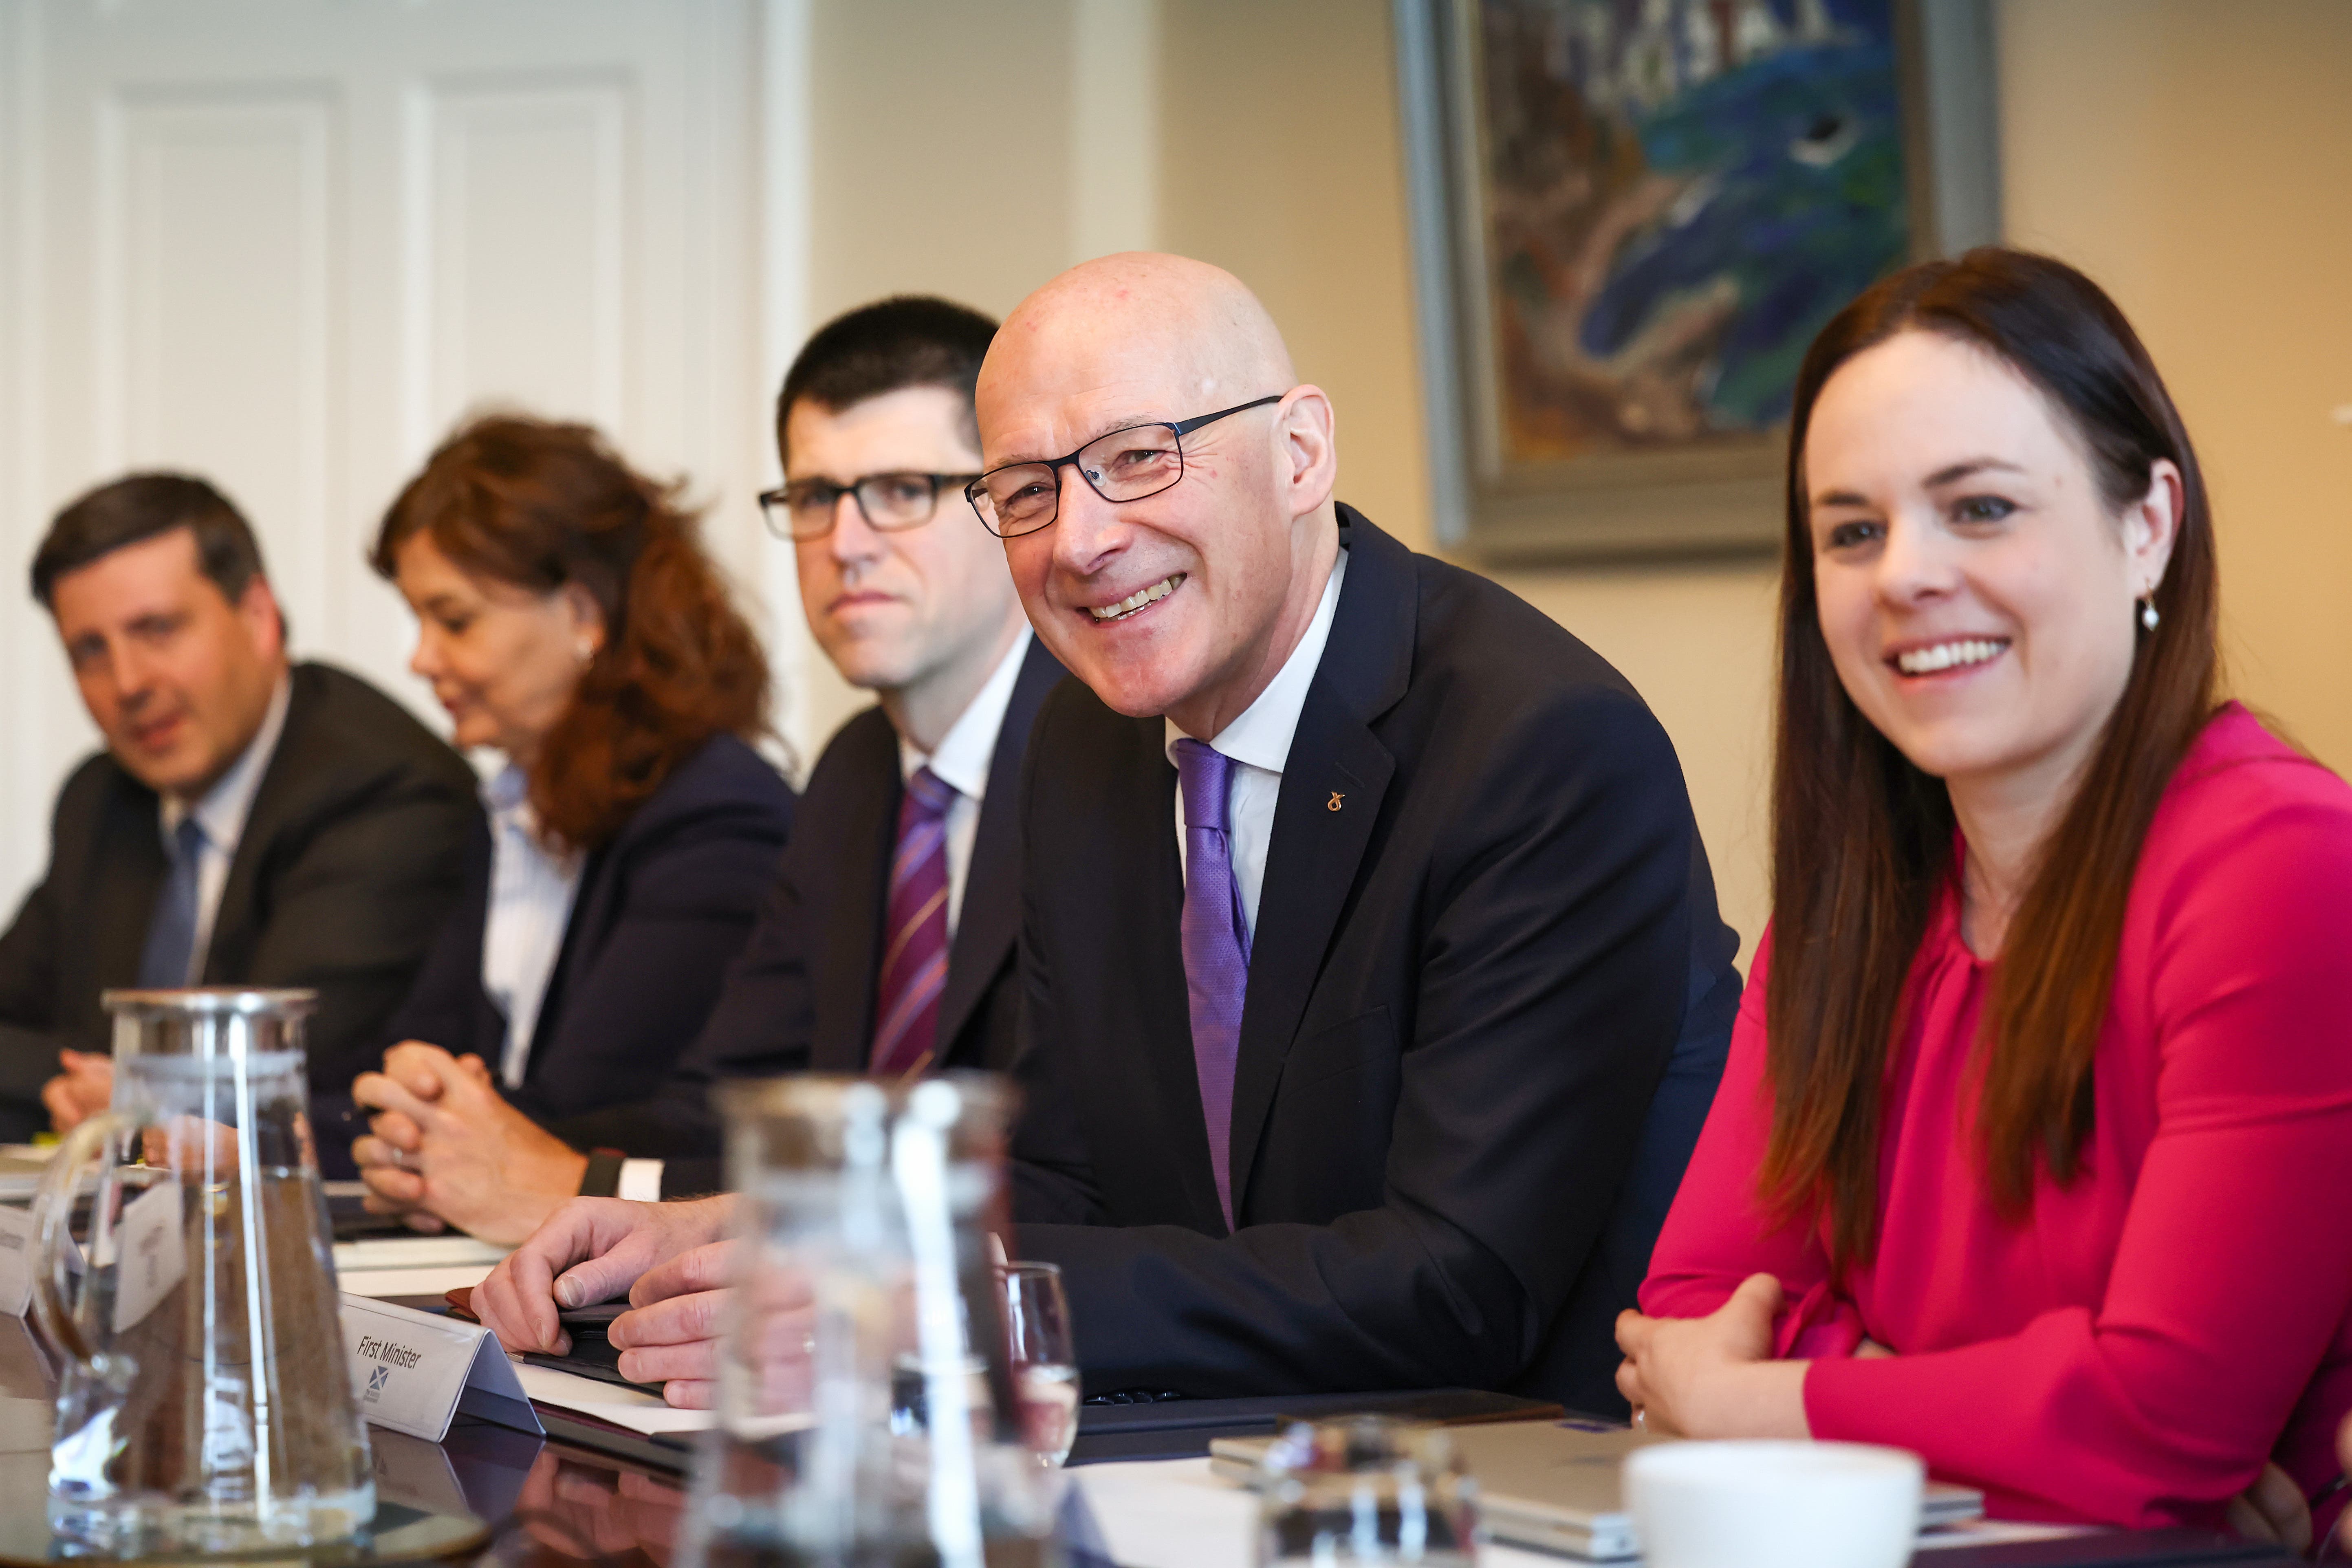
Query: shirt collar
[[223, 809], [1261, 736], [963, 757], [506, 795]]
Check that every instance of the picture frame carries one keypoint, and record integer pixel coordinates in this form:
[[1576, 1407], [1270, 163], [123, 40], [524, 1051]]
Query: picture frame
[[1592, 391]]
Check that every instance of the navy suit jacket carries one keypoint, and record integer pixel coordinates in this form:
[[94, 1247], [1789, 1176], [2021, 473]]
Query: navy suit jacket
[[1488, 1001], [350, 863], [661, 910], [801, 996]]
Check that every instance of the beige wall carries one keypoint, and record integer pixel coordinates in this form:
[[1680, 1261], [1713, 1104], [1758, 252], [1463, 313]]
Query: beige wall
[[2196, 157], [941, 138], [2197, 160]]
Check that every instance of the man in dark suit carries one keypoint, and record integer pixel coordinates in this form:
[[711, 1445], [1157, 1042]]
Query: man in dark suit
[[1369, 1056], [249, 823], [867, 957], [1364, 915]]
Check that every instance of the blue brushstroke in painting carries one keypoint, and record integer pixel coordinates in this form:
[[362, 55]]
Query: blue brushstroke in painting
[[1797, 199]]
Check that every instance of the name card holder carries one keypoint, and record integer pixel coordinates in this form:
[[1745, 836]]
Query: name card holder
[[413, 1371]]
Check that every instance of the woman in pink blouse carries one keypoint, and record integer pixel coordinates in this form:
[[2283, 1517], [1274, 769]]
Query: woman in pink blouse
[[2034, 1150]]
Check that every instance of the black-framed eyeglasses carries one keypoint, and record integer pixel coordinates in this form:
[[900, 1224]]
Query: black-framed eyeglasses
[[1123, 465], [805, 509]]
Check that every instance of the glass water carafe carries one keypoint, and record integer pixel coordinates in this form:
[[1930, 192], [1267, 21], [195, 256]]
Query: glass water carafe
[[865, 1410], [204, 1405]]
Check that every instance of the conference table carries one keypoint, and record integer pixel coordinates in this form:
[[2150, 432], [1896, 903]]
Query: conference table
[[1139, 1490]]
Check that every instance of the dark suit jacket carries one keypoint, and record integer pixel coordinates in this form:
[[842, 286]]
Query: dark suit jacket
[[801, 995], [661, 910], [350, 860], [1485, 929]]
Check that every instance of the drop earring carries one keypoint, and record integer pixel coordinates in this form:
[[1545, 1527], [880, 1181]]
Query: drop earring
[[2147, 616]]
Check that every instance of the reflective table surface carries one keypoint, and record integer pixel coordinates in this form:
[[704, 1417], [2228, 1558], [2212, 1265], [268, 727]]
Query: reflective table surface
[[490, 1495], [528, 1501]]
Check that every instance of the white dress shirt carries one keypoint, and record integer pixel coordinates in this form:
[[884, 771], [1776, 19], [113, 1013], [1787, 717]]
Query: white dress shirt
[[531, 889], [1259, 744], [221, 815], [961, 761]]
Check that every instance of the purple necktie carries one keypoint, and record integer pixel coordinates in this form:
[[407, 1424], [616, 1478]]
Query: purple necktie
[[1216, 949], [915, 964]]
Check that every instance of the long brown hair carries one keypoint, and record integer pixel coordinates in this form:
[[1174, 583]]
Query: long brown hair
[[1862, 840], [542, 505]]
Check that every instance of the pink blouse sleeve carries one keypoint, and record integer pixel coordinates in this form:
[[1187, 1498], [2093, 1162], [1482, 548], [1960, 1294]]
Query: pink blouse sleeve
[[2233, 1272], [1718, 1234]]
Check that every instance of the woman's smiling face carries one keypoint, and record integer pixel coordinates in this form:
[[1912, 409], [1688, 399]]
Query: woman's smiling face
[[1973, 584]]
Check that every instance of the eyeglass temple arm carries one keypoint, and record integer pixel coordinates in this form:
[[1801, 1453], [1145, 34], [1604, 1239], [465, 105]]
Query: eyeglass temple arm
[[1188, 426]]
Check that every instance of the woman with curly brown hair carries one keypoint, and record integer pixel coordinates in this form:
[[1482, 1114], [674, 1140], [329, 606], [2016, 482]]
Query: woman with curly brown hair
[[569, 618]]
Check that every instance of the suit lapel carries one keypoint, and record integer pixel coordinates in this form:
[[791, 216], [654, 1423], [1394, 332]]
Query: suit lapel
[[592, 915], [990, 918], [127, 882], [847, 926], [1333, 783]]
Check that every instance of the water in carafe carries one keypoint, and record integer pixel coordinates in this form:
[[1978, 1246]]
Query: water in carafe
[[865, 1410], [204, 1405]]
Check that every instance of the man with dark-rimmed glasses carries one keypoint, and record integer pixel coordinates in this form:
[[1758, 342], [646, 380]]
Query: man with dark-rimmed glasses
[[1375, 992], [887, 944]]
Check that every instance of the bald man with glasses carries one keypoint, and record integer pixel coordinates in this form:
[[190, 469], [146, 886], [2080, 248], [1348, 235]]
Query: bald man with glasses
[[1373, 992]]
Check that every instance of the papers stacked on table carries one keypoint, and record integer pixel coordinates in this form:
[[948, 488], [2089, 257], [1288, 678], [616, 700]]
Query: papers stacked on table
[[414, 1265]]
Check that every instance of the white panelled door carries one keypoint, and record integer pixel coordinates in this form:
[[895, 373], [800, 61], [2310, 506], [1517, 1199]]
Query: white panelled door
[[286, 242]]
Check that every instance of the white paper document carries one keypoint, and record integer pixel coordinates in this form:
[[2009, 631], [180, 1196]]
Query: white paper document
[[16, 1260], [152, 1238], [630, 1407], [416, 1252], [413, 1265], [412, 1371]]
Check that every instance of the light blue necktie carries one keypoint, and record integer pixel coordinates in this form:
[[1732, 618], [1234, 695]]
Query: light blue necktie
[[1216, 948], [172, 927]]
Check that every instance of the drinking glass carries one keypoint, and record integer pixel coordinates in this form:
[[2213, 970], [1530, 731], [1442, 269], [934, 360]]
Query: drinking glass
[[1045, 1358], [1365, 1488]]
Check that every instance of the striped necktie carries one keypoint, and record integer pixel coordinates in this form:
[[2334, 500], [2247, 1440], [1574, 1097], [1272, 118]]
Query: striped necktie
[[915, 959]]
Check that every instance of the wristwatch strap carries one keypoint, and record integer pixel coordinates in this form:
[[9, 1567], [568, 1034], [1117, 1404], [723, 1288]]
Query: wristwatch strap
[[603, 1178]]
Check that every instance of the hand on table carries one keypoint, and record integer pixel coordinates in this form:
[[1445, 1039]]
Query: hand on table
[[447, 1147], [673, 1335], [81, 1091], [1714, 1376], [594, 1249], [2344, 1457], [1710, 1377], [2273, 1510]]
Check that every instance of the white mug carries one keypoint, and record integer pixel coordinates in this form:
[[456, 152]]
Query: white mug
[[1774, 1505]]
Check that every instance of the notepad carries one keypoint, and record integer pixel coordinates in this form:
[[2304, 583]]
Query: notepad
[[622, 1407], [413, 1265]]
